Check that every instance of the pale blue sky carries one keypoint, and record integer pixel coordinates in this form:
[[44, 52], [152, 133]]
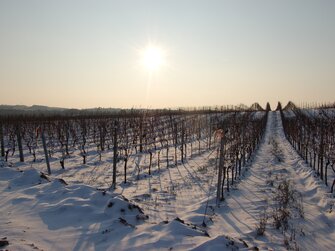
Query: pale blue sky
[[86, 53]]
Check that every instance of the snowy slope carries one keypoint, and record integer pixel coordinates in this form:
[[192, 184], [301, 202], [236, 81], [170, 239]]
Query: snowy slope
[[165, 210], [42, 214]]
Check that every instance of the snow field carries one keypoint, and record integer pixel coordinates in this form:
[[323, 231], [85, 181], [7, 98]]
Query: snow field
[[165, 210]]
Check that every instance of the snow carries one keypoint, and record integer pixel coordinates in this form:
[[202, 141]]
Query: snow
[[241, 211], [221, 242], [49, 212], [164, 210]]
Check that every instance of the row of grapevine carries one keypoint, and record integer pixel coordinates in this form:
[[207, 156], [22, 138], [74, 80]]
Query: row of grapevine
[[312, 133], [171, 136], [240, 135]]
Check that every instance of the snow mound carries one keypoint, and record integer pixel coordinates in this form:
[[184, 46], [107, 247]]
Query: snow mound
[[221, 242], [179, 227], [61, 205], [53, 205], [27, 178], [7, 173], [78, 207], [167, 235]]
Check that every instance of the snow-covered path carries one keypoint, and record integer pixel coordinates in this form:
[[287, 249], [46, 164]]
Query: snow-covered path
[[274, 161]]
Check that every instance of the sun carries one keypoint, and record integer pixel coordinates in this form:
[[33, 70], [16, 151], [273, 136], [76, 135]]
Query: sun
[[153, 58]]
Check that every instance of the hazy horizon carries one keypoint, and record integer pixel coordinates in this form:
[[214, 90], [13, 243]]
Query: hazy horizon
[[138, 107], [86, 54]]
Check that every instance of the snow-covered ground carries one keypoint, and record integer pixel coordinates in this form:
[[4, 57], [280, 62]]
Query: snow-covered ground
[[275, 161], [165, 211]]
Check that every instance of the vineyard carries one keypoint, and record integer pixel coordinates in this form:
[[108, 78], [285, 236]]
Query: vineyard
[[312, 134], [160, 179], [126, 141]]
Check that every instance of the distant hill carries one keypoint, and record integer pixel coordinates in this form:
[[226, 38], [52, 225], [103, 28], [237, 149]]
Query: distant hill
[[12, 111], [31, 108], [15, 110], [9, 110]]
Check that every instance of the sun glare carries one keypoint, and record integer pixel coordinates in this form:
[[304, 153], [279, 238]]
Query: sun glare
[[153, 58]]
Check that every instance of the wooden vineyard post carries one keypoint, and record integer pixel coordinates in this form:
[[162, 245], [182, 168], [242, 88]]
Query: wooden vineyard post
[[175, 143], [2, 141], [141, 134], [45, 151], [158, 159], [125, 167], [199, 135], [116, 125], [321, 153], [221, 163], [19, 142], [150, 162], [182, 142], [167, 156]]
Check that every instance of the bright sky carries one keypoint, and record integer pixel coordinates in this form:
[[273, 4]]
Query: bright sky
[[84, 54]]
